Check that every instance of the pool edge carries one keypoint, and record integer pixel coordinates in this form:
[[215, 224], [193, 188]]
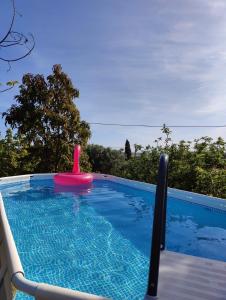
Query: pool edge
[[195, 198]]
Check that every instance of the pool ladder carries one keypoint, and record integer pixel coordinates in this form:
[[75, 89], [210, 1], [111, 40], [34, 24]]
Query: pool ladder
[[159, 225]]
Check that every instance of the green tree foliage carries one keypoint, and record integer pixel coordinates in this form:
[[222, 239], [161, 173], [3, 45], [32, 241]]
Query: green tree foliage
[[105, 160], [198, 166], [165, 130], [128, 152], [12, 155], [137, 148], [8, 86], [8, 154], [47, 118]]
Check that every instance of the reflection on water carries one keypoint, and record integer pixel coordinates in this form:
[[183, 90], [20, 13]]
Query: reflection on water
[[191, 229], [77, 190], [141, 208]]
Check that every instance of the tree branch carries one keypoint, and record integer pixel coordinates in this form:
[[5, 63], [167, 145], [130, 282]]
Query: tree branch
[[15, 38], [11, 24], [7, 89], [22, 56], [14, 41]]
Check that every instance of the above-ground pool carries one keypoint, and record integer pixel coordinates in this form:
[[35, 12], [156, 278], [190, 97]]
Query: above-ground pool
[[98, 240]]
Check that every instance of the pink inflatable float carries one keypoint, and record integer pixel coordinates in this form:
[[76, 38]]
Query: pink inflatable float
[[75, 177]]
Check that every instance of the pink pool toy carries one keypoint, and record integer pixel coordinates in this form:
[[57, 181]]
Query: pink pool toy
[[75, 177]]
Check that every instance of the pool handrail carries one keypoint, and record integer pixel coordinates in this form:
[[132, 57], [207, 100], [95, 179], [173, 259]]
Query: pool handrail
[[40, 291], [159, 224]]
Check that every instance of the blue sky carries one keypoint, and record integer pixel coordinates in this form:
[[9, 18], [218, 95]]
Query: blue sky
[[143, 62]]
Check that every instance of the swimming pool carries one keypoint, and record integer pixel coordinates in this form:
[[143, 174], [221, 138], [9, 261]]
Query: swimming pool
[[98, 240]]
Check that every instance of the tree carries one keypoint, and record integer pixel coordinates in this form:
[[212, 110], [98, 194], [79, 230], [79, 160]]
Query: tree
[[8, 157], [12, 39], [12, 154], [137, 147], [128, 152], [105, 160], [198, 166], [167, 132], [47, 117]]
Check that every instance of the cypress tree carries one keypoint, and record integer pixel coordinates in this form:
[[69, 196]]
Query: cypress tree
[[128, 153]]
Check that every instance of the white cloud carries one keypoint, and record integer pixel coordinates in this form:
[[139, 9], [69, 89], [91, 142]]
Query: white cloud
[[213, 106]]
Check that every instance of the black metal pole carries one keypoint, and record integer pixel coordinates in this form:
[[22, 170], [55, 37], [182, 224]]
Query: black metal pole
[[159, 215], [163, 243]]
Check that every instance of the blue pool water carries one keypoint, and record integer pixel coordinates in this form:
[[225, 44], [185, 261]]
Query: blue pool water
[[99, 242]]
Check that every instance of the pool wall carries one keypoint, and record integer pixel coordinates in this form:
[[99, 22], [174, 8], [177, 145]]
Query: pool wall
[[195, 198]]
